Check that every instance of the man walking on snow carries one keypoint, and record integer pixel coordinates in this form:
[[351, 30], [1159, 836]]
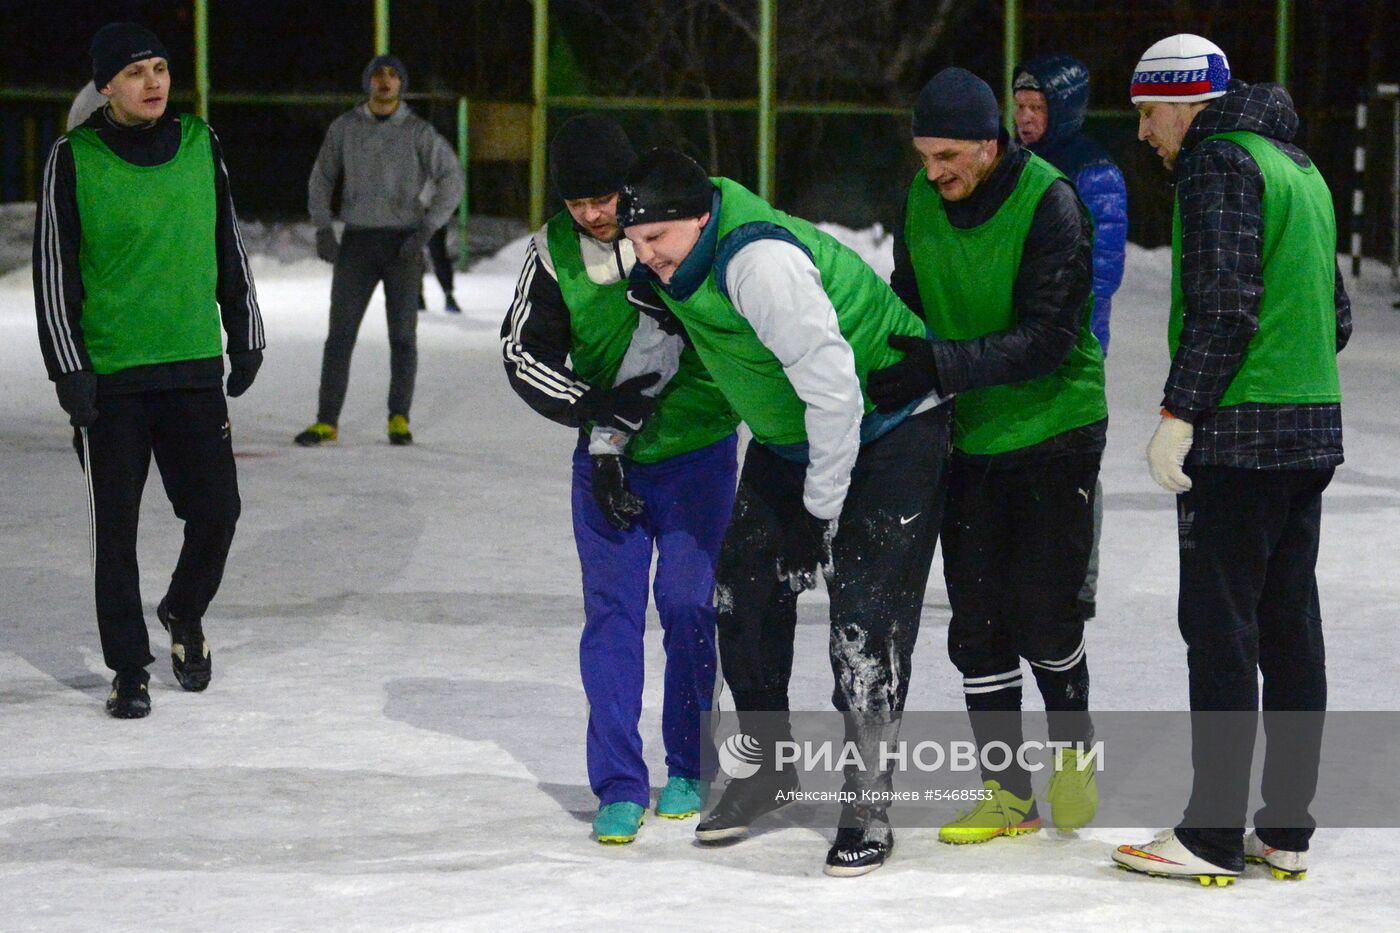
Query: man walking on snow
[[789, 322], [563, 342], [137, 261], [383, 154], [1250, 435]]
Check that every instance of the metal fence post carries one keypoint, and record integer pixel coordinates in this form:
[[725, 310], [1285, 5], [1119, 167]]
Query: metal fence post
[[463, 253], [1282, 36], [1011, 43], [767, 116], [539, 116], [381, 27], [201, 58]]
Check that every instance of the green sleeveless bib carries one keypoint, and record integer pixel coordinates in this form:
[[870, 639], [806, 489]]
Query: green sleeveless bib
[[965, 280], [867, 312], [147, 256], [1292, 358], [691, 412]]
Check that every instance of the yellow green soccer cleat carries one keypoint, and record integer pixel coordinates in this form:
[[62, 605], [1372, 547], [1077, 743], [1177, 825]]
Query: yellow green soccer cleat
[[1001, 813], [1284, 864], [1073, 793], [318, 434], [399, 434], [682, 797], [1166, 857], [617, 823]]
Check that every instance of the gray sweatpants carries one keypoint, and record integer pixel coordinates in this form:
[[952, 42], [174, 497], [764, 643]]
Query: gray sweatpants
[[368, 257]]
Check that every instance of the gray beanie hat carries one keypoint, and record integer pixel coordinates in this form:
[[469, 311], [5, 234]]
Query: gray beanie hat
[[379, 61]]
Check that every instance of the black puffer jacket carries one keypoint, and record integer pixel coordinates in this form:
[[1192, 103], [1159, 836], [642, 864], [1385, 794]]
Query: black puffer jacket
[[1220, 190], [1052, 285]]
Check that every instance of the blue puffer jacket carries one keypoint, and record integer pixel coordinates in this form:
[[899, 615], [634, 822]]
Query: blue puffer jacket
[[1064, 81]]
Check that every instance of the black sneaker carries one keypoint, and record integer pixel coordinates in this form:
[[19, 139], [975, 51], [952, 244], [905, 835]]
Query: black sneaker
[[452, 307], [862, 845], [129, 698], [745, 801], [190, 657]]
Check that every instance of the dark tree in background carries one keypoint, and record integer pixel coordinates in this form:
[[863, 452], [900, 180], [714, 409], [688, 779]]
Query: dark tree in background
[[840, 167]]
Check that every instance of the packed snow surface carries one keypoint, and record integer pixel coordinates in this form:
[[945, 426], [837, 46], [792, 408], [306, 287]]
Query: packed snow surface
[[393, 739]]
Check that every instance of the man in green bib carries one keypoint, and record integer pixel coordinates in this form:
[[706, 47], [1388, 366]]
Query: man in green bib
[[563, 342], [1251, 432], [790, 322], [139, 274], [996, 254]]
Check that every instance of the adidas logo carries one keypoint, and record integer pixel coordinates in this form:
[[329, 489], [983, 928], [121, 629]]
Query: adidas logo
[[1184, 522]]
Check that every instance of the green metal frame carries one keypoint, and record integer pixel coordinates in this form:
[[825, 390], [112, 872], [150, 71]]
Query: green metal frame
[[1011, 53], [765, 105], [381, 27], [201, 58]]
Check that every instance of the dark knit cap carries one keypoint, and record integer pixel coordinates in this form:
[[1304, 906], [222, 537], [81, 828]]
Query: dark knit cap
[[589, 157], [117, 45], [378, 62], [956, 104], [665, 184]]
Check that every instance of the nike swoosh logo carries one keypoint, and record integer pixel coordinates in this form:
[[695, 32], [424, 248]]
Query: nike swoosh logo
[[629, 425], [905, 521]]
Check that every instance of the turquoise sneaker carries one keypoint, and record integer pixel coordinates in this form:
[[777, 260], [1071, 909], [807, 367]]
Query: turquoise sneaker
[[618, 822], [682, 797]]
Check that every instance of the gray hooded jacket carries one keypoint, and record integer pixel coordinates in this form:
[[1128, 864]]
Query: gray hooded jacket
[[385, 164]]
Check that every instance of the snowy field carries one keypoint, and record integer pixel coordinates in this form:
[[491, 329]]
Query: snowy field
[[394, 736]]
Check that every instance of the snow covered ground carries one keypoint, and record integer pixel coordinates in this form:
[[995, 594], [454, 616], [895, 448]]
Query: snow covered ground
[[394, 736]]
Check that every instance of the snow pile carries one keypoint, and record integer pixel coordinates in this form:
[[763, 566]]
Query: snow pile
[[16, 235]]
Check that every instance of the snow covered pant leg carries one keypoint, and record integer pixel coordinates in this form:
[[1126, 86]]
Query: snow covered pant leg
[[193, 447], [688, 500], [403, 281], [352, 284], [1248, 542], [119, 459], [977, 534], [881, 559], [757, 617], [616, 566]]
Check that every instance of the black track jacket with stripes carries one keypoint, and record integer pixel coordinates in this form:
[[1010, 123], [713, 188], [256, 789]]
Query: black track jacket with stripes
[[58, 283], [537, 331]]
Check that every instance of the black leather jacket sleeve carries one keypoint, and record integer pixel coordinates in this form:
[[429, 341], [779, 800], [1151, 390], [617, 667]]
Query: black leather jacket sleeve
[[1052, 285]]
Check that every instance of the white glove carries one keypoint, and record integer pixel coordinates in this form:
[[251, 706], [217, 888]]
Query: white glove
[[1167, 451]]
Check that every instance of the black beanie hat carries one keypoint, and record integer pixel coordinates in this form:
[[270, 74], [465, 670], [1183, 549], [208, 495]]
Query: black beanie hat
[[956, 104], [117, 45], [378, 62], [589, 157], [665, 184]]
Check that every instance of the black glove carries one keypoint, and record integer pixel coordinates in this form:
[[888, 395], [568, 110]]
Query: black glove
[[242, 370], [327, 246], [642, 296], [618, 505], [623, 407], [412, 247], [77, 394], [805, 547], [911, 378]]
